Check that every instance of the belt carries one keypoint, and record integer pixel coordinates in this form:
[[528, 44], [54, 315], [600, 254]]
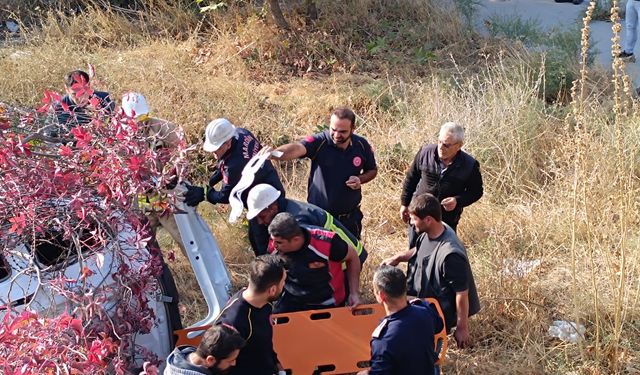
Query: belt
[[341, 216]]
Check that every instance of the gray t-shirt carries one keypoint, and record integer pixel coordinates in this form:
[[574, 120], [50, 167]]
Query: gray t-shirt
[[454, 268]]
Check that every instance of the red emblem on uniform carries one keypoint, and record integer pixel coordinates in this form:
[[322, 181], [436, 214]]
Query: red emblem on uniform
[[357, 161], [309, 138]]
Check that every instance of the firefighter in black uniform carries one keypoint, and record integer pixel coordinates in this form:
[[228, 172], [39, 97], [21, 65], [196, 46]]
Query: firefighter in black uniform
[[403, 343], [341, 162], [249, 311], [233, 148]]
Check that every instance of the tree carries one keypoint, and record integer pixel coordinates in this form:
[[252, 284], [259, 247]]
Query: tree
[[278, 17]]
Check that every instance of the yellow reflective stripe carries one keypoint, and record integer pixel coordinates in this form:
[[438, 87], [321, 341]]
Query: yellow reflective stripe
[[143, 201], [330, 225], [146, 201], [357, 246]]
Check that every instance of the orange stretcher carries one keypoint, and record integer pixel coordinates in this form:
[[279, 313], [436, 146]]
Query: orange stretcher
[[331, 341]]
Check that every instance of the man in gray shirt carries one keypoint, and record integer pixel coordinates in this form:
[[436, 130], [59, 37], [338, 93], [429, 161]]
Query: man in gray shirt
[[439, 267]]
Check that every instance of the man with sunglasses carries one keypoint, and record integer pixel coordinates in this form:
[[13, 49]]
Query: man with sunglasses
[[447, 172]]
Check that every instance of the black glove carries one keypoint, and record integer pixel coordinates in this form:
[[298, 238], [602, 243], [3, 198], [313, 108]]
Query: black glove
[[194, 195]]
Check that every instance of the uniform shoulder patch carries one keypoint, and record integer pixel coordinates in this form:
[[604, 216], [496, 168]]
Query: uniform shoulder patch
[[378, 331]]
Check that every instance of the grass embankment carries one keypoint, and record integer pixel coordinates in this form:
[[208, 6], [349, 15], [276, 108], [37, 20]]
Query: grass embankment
[[561, 182]]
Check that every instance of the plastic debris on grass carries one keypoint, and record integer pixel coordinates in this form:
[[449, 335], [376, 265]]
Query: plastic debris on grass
[[567, 331], [519, 268], [12, 26]]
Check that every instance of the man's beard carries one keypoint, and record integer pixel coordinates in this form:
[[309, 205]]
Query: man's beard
[[216, 371], [343, 141], [277, 296]]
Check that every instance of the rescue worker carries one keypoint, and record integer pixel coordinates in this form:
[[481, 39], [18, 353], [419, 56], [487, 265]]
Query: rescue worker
[[403, 343], [439, 267], [263, 204], [249, 311], [341, 162], [216, 353], [80, 99], [445, 171], [233, 148], [312, 256], [162, 135]]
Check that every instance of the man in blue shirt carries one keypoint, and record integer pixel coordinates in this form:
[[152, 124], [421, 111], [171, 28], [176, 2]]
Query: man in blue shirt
[[340, 163], [76, 107], [403, 343]]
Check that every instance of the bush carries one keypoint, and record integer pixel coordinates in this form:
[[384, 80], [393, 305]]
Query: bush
[[69, 204], [555, 52], [527, 31]]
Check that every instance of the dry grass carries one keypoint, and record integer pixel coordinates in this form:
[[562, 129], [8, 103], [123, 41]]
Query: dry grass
[[561, 186]]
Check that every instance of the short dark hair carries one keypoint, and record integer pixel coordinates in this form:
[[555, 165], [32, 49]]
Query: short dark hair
[[391, 281], [345, 113], [76, 76], [220, 341], [285, 225], [424, 205], [265, 271]]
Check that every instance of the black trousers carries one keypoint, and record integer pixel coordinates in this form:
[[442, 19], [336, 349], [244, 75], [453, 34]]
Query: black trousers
[[258, 237], [352, 221]]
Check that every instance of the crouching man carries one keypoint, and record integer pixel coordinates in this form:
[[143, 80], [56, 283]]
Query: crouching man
[[249, 311], [264, 203], [216, 353], [403, 343], [312, 257]]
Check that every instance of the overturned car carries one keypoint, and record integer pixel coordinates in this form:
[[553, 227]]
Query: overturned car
[[83, 285]]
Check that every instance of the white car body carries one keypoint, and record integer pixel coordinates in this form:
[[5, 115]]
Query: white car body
[[20, 287]]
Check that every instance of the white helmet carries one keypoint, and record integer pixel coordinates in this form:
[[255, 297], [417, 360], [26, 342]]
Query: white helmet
[[259, 198], [134, 105], [217, 133]]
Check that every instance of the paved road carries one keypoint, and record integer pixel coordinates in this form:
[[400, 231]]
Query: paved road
[[550, 15]]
